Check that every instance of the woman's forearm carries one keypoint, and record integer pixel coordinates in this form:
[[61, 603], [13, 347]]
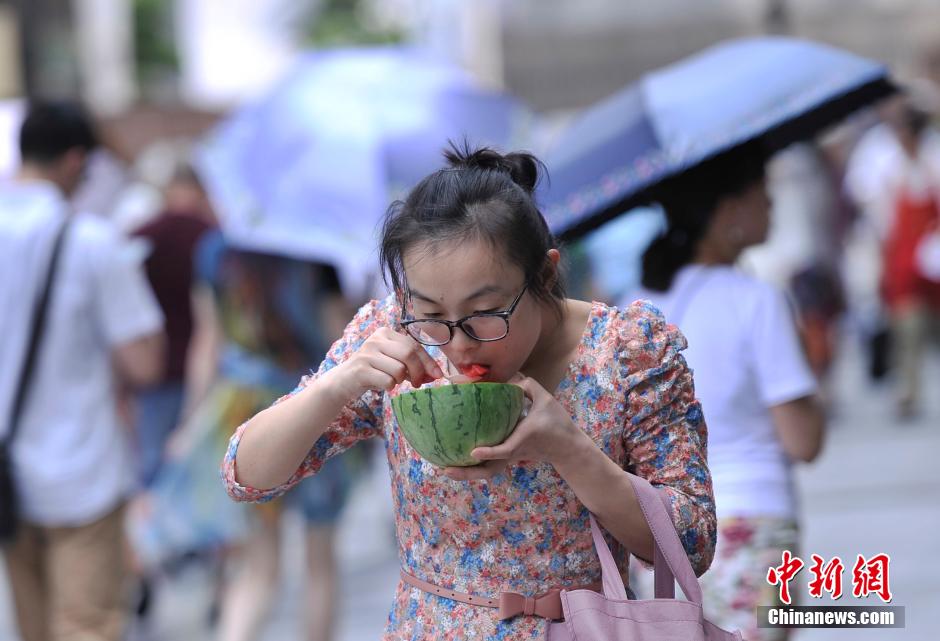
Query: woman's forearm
[[605, 489], [277, 440], [800, 426]]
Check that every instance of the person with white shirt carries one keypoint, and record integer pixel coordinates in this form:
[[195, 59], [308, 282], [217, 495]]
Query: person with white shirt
[[894, 177], [71, 464], [751, 376]]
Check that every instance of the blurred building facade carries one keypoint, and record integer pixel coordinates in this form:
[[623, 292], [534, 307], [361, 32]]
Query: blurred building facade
[[553, 53], [564, 54], [9, 52], [209, 55]]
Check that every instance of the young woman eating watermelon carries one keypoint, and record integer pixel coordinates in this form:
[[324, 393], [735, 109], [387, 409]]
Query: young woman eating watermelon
[[469, 254]]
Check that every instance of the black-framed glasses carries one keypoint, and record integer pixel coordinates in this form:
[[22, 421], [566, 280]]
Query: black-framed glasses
[[485, 327]]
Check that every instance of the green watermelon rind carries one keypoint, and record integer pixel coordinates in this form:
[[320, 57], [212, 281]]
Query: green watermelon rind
[[445, 431]]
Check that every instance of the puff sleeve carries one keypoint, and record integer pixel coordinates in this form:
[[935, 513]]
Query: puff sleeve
[[666, 437]]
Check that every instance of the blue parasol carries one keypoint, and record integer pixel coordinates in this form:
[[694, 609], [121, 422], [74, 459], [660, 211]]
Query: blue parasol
[[308, 170], [775, 90]]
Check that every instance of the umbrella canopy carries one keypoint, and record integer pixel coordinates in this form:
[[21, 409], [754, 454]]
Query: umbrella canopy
[[309, 169], [775, 90]]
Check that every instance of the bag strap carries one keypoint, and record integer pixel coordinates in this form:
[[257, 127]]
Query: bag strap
[[610, 573], [670, 561], [35, 332]]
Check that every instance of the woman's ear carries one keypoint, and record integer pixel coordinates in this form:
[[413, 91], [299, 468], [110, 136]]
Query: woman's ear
[[402, 298], [552, 258]]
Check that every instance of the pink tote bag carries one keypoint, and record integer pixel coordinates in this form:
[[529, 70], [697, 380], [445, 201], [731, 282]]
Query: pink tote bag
[[591, 616]]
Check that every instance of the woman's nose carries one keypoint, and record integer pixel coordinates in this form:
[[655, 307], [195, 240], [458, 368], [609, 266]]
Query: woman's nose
[[462, 345]]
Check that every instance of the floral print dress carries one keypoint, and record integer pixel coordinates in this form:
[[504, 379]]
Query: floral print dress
[[525, 530]]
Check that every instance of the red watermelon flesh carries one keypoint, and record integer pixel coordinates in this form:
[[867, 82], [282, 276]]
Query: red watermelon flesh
[[475, 370]]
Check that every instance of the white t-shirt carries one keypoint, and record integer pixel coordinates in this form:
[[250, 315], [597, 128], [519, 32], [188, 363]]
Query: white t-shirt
[[746, 358], [879, 167], [71, 457]]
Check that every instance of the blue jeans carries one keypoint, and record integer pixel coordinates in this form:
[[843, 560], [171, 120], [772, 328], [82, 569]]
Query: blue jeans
[[321, 497], [158, 412]]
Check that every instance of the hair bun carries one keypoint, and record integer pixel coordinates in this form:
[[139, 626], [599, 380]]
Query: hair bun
[[522, 167]]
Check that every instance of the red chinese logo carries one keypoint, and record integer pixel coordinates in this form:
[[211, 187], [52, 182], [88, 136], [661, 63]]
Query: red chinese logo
[[871, 577], [826, 578], [784, 573], [868, 577]]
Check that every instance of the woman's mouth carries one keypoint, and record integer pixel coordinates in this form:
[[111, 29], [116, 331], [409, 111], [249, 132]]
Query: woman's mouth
[[474, 370]]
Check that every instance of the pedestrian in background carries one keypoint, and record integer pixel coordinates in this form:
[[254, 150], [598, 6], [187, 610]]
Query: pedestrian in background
[[895, 176], [170, 242], [171, 239], [751, 375], [72, 464], [802, 253], [262, 321]]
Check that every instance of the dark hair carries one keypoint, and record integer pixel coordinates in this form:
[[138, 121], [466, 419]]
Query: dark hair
[[914, 119], [481, 195], [185, 173], [689, 200], [52, 128]]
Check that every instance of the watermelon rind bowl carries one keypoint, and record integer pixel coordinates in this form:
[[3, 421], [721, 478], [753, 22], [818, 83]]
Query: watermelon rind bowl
[[444, 424]]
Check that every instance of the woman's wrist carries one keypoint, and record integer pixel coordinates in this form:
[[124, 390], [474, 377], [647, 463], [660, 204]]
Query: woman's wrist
[[574, 450], [337, 387]]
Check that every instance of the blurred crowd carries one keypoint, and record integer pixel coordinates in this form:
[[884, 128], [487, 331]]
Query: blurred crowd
[[164, 338], [851, 234], [167, 336]]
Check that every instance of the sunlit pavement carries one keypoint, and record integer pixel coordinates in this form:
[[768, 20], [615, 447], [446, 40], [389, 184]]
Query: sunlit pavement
[[875, 489]]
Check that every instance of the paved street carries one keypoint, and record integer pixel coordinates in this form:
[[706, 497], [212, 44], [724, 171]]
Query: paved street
[[874, 490]]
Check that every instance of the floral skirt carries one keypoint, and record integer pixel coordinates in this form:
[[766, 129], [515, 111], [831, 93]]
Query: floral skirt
[[736, 583]]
